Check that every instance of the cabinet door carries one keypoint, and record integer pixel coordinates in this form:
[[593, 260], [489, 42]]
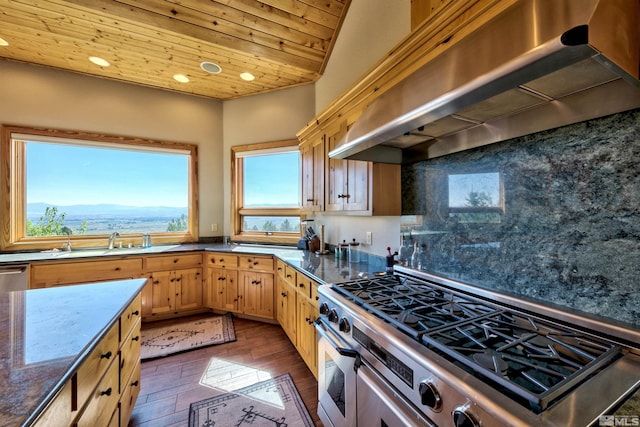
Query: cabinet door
[[357, 193], [307, 336], [257, 297], [312, 155], [336, 178], [188, 289], [163, 292], [286, 308], [222, 289]]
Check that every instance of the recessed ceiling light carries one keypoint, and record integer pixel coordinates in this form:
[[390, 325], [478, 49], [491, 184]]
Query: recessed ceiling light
[[181, 78], [99, 61], [210, 67], [247, 76], [3, 42]]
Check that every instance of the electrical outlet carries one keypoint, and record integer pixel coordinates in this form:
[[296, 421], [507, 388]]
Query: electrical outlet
[[214, 227], [369, 238]]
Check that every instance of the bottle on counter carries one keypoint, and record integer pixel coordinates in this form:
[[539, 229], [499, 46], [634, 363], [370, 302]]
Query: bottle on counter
[[404, 254], [415, 256], [354, 254]]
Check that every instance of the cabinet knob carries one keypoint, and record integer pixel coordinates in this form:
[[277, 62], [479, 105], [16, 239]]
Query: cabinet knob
[[136, 338], [309, 200], [284, 294], [135, 383], [107, 392], [301, 285], [106, 355], [135, 313], [175, 261]]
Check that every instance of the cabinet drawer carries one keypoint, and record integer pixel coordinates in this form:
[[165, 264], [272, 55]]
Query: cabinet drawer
[[97, 363], [129, 396], [290, 275], [161, 263], [103, 401], [129, 354], [304, 285], [130, 316], [281, 267], [222, 260], [257, 263], [53, 274]]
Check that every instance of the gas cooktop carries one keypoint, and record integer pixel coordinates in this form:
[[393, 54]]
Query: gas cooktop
[[534, 360]]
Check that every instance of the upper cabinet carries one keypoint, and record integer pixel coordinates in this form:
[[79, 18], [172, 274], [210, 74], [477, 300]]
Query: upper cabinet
[[312, 153], [345, 186]]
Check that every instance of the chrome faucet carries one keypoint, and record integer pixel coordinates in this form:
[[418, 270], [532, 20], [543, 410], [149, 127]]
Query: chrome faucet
[[112, 239]]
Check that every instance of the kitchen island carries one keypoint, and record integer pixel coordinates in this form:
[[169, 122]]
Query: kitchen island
[[60, 346]]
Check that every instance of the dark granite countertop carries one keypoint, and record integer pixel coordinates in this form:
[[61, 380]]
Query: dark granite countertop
[[44, 336]]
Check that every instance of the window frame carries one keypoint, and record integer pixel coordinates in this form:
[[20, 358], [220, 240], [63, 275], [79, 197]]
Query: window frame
[[13, 186], [238, 211]]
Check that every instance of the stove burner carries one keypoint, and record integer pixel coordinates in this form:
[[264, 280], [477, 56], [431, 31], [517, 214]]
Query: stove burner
[[408, 318], [491, 359]]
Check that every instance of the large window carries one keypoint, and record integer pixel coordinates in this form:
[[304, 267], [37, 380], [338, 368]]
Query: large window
[[63, 186], [266, 182]]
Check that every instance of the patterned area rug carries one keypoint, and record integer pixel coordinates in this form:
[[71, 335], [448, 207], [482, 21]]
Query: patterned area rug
[[165, 340], [271, 403]]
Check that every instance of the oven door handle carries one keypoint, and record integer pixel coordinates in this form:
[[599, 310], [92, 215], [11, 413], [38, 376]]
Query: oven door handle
[[343, 351]]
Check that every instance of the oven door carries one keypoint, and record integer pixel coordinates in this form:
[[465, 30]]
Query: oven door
[[336, 379], [380, 405]]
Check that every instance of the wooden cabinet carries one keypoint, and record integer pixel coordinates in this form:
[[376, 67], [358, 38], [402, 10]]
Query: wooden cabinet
[[175, 285], [222, 289], [57, 273], [286, 299], [312, 154], [297, 310], [347, 180], [307, 338], [241, 284], [104, 388], [349, 186]]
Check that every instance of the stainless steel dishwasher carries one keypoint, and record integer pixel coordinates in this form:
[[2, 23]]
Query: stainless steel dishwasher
[[14, 277]]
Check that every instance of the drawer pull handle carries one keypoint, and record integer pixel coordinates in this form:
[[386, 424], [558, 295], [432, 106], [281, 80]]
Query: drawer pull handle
[[284, 294], [136, 338], [135, 383], [288, 276], [106, 355], [117, 268], [135, 313], [175, 260], [301, 285], [107, 392], [317, 297]]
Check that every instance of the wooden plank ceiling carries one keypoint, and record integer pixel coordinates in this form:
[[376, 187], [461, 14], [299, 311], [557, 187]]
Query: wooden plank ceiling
[[282, 43]]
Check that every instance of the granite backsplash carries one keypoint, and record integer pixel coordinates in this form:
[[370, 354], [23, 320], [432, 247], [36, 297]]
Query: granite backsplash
[[554, 216]]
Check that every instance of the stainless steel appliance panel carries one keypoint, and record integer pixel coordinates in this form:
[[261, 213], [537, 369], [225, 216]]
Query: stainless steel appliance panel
[[14, 277]]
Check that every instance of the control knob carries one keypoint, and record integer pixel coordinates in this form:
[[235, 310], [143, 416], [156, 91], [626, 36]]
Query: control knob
[[429, 395], [344, 325], [324, 308], [333, 316], [461, 418]]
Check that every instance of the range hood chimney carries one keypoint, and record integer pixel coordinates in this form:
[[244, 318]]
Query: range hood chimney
[[538, 65]]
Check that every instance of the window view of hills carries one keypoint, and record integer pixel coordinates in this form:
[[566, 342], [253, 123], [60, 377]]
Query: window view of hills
[[107, 218]]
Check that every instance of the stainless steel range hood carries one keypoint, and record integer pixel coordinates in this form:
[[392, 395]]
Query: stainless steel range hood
[[538, 65]]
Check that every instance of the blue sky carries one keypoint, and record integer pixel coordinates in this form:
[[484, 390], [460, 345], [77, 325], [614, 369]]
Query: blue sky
[[272, 179], [62, 174]]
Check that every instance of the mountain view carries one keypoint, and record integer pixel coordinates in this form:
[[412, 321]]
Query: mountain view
[[107, 218]]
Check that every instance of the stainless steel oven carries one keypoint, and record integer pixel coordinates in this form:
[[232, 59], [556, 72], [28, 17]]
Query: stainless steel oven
[[380, 405], [336, 380]]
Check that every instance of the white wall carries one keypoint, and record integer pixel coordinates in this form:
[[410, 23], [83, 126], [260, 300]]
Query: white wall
[[43, 97], [370, 29]]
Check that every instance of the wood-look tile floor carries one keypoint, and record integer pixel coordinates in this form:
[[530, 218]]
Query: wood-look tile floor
[[169, 384]]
